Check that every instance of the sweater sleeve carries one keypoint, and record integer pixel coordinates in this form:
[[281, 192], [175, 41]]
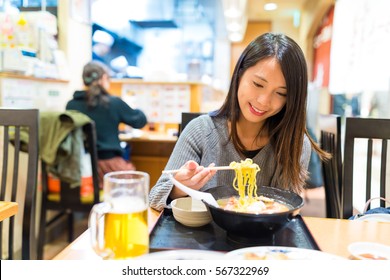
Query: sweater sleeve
[[306, 152], [188, 147]]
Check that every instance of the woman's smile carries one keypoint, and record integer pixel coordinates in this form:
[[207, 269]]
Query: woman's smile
[[256, 111]]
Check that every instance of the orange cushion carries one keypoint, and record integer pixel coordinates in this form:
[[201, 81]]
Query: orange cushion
[[86, 189]]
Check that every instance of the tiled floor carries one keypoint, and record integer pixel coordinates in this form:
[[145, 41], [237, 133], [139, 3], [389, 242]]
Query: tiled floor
[[53, 248], [314, 207]]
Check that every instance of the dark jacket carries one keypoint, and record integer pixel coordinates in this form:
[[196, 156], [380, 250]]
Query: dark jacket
[[61, 143], [107, 118]]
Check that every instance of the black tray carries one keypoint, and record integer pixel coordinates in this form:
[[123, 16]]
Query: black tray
[[168, 234]]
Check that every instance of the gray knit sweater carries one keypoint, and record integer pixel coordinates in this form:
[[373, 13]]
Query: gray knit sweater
[[205, 140]]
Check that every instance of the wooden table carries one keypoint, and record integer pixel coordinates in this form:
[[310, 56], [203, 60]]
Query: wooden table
[[332, 236], [7, 209]]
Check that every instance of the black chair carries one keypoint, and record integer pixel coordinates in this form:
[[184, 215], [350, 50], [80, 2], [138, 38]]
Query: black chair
[[19, 181], [330, 141], [369, 129], [69, 199], [315, 178], [186, 117]]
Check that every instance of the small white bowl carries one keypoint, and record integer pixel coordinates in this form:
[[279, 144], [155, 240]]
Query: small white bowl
[[374, 217], [190, 212], [369, 251]]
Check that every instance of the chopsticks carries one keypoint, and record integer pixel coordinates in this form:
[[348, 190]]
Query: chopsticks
[[209, 168]]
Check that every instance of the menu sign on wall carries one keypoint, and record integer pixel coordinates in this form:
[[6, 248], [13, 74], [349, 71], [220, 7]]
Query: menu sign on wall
[[160, 102], [26, 94]]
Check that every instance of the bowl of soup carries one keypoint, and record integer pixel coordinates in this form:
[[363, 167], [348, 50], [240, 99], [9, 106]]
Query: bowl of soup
[[254, 221]]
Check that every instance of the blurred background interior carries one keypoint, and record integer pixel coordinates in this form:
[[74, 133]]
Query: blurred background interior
[[173, 56], [199, 41]]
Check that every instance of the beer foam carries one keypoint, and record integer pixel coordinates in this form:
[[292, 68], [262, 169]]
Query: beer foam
[[127, 205]]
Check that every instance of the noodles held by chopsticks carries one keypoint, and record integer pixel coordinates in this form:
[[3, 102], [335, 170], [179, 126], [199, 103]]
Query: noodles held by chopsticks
[[245, 180]]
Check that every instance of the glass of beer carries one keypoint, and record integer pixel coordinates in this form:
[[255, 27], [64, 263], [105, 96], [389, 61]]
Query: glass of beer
[[119, 225]]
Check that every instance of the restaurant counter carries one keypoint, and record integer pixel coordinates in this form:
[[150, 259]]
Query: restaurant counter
[[150, 152]]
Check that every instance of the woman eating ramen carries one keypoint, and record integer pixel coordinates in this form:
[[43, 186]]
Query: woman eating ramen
[[263, 118]]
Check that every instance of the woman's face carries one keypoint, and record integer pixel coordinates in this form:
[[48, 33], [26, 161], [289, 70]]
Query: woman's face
[[262, 91]]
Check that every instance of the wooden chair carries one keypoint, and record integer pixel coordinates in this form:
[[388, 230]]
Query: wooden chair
[[19, 172], [330, 141], [369, 129], [69, 199]]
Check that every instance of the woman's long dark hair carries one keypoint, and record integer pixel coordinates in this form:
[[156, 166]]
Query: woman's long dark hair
[[287, 128], [92, 73]]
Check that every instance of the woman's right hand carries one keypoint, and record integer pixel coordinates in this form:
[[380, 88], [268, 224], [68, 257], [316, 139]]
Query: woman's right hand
[[192, 175]]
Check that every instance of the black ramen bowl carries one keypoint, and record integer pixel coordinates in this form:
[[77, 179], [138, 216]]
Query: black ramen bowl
[[254, 226]]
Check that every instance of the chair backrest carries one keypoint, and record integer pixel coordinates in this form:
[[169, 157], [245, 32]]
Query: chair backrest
[[70, 199], [330, 141], [374, 131], [19, 171], [186, 117]]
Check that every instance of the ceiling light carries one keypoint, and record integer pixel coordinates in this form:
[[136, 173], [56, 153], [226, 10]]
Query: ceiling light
[[235, 13], [234, 27], [232, 13], [297, 18], [236, 37], [270, 6]]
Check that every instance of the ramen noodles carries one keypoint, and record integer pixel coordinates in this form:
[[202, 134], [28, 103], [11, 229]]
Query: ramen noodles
[[248, 200], [245, 180]]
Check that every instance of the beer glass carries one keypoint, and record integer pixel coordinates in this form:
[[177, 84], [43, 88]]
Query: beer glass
[[119, 225]]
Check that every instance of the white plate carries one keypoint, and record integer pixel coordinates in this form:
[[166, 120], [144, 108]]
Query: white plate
[[374, 217], [375, 250], [184, 255], [279, 253]]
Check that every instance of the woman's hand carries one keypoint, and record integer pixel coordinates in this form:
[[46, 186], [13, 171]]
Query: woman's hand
[[193, 176]]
